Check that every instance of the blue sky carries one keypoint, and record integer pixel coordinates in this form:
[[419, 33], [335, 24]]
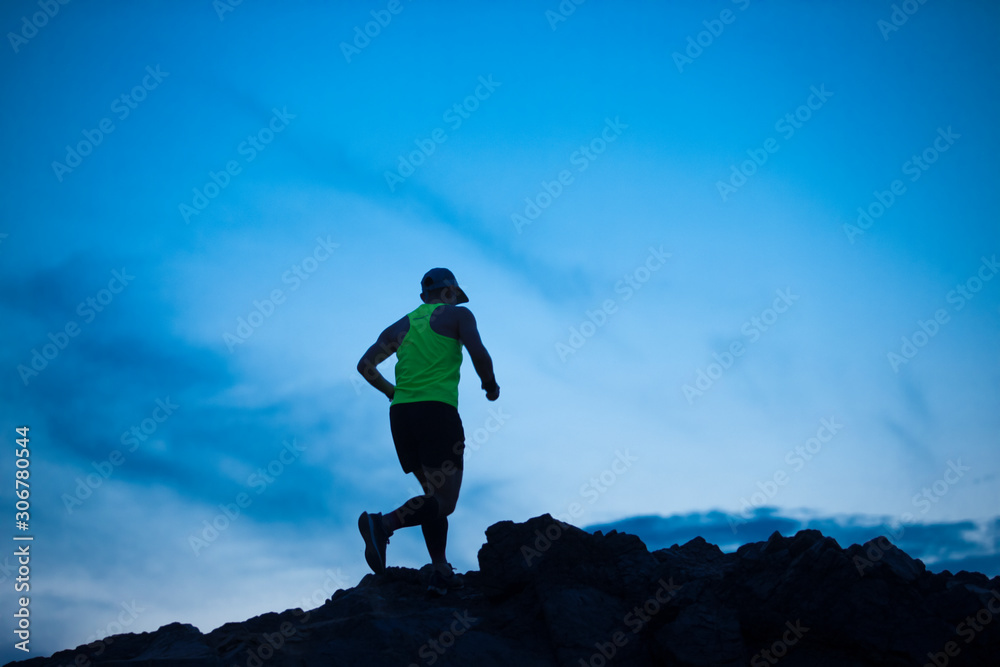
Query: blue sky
[[654, 208]]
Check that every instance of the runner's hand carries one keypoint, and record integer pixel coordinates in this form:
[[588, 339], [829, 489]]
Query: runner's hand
[[494, 393]]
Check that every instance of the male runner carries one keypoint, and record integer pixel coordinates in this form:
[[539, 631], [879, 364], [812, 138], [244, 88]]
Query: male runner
[[423, 416]]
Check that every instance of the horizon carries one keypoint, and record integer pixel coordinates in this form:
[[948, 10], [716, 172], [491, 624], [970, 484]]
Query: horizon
[[734, 264]]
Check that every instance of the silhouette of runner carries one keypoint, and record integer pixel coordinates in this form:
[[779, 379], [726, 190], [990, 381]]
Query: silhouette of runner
[[423, 416]]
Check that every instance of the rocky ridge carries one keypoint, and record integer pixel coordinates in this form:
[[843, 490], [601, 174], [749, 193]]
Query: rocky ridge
[[549, 593]]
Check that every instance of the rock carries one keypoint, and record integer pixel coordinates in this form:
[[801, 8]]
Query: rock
[[548, 593]]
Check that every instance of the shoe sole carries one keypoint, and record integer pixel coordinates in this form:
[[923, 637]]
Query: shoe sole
[[367, 527]]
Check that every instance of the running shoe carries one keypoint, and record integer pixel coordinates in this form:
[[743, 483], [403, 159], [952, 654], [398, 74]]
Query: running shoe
[[375, 539]]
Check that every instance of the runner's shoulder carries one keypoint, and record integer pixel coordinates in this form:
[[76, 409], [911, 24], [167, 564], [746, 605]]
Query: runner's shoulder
[[461, 314], [449, 319], [395, 331], [449, 309]]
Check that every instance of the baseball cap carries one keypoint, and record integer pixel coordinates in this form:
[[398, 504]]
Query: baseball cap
[[438, 278]]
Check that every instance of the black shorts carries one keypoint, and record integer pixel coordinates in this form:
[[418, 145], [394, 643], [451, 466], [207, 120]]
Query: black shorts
[[427, 433]]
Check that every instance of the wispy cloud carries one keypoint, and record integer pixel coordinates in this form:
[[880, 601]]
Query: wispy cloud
[[150, 427], [946, 545]]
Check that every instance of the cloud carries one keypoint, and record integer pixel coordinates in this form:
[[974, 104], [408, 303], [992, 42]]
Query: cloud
[[160, 341], [128, 398], [955, 545]]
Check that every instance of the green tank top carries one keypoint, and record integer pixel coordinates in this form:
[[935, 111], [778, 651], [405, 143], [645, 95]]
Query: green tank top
[[427, 363]]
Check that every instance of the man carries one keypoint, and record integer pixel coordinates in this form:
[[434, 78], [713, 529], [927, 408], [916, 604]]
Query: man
[[423, 416]]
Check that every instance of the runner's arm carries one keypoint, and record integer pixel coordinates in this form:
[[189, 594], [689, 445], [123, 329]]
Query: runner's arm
[[386, 345], [468, 334]]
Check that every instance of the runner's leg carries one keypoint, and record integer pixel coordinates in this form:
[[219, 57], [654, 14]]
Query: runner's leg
[[416, 511], [446, 488]]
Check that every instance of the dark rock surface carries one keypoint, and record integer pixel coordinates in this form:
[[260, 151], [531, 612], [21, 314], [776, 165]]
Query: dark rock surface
[[551, 594]]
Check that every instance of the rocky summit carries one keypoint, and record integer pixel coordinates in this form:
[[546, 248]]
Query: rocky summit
[[548, 593]]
